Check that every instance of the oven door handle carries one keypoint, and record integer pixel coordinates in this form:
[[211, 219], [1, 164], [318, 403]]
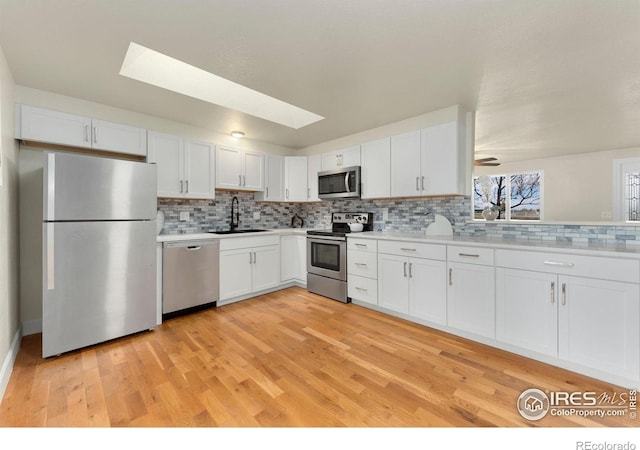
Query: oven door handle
[[320, 240]]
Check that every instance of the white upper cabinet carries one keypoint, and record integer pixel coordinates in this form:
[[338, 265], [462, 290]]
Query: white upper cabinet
[[44, 125], [314, 165], [341, 158], [432, 161], [241, 170], [185, 167], [273, 180], [443, 160], [375, 175], [295, 178], [405, 165]]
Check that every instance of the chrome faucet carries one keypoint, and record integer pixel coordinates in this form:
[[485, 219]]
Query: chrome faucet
[[235, 217]]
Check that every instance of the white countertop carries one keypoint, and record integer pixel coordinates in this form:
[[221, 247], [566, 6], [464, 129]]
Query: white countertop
[[207, 236], [617, 251]]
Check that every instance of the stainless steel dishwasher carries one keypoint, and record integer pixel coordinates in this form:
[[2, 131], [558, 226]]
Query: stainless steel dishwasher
[[190, 274]]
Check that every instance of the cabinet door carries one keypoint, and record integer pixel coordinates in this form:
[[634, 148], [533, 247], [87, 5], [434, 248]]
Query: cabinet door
[[229, 166], [471, 298], [273, 180], [428, 290], [349, 157], [527, 310], [440, 162], [235, 272], [166, 150], [375, 171], [405, 165], [44, 125], [253, 177], [116, 137], [295, 170], [288, 258], [330, 160], [266, 267], [199, 162], [393, 285], [314, 165], [301, 247], [598, 325]]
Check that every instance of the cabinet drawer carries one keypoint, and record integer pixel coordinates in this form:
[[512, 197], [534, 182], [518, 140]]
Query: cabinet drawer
[[368, 245], [363, 289], [565, 264], [248, 242], [362, 263], [414, 249], [471, 255]]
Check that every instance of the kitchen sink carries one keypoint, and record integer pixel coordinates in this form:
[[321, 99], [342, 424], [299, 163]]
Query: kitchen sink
[[235, 231]]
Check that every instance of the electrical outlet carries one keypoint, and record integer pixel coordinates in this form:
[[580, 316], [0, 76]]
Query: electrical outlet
[[256, 215], [184, 215]]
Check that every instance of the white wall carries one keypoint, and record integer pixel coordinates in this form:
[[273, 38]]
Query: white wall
[[577, 188], [56, 102], [9, 305]]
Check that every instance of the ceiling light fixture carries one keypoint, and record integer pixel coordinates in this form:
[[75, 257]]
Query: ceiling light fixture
[[152, 67], [237, 134]]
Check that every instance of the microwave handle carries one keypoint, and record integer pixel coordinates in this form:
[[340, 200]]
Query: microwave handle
[[346, 182]]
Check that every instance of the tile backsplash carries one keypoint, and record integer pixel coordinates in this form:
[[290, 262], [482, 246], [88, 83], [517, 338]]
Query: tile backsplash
[[405, 215]]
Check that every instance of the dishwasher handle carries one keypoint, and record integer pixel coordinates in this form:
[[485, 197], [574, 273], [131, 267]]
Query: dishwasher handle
[[193, 248]]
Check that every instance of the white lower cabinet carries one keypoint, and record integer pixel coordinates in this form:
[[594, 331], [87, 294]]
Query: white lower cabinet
[[248, 265], [471, 298], [411, 285], [362, 270], [578, 319], [293, 259]]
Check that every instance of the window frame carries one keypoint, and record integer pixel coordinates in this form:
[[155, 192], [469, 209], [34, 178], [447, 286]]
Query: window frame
[[507, 211], [620, 168]]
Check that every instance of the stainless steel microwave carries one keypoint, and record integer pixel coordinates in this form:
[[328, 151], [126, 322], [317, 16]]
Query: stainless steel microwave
[[339, 183]]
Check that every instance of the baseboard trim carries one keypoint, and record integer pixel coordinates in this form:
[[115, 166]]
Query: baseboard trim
[[7, 366]]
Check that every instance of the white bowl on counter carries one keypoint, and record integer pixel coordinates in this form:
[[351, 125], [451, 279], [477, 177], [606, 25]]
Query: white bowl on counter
[[355, 227]]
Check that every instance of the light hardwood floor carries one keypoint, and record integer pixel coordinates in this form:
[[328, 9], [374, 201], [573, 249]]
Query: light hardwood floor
[[289, 358]]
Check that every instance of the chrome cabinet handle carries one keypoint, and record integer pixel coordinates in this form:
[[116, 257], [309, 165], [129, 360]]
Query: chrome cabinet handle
[[405, 270], [410, 274], [564, 294], [553, 292], [417, 183], [558, 264], [361, 245], [408, 249], [468, 255], [255, 257], [86, 133], [244, 180], [308, 192], [287, 193], [450, 277], [423, 183], [267, 188], [186, 189], [95, 135], [239, 180], [181, 186], [361, 264], [361, 289]]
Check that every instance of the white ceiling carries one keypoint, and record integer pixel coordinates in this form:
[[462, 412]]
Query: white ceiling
[[544, 77]]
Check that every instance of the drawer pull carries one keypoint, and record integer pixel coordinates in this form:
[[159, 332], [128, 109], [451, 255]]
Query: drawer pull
[[558, 264], [468, 255], [361, 264], [564, 294], [410, 274], [361, 289], [553, 292], [450, 277], [361, 245], [404, 249], [405, 270]]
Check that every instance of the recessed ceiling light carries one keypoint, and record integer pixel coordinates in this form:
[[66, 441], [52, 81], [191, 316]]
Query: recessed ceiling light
[[237, 134], [152, 67]]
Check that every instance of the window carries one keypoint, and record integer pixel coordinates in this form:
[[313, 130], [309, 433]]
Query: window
[[626, 189], [516, 196]]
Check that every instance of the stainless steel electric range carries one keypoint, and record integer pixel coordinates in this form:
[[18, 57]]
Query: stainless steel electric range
[[327, 255]]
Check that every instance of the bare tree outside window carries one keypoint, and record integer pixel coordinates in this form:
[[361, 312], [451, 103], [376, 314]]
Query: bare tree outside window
[[517, 196]]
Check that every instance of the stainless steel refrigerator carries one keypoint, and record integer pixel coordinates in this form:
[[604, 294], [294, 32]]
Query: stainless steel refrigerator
[[99, 261]]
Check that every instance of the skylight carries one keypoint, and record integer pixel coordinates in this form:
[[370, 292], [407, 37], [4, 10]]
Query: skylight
[[152, 67]]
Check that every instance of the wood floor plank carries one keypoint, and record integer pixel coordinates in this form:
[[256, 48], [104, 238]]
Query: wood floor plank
[[286, 359]]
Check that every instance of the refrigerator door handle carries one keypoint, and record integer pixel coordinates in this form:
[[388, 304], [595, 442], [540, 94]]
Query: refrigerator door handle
[[50, 257]]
